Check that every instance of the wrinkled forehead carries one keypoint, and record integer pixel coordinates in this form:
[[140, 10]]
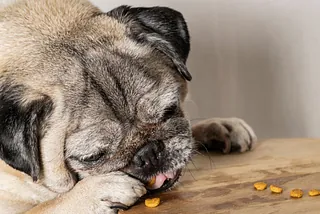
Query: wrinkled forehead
[[128, 72]]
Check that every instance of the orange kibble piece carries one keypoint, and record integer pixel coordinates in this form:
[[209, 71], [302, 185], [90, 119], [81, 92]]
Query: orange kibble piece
[[260, 186], [152, 202], [275, 189], [152, 181], [296, 193], [314, 192]]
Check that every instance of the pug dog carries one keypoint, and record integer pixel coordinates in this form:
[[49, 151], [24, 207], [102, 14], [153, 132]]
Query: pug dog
[[91, 106]]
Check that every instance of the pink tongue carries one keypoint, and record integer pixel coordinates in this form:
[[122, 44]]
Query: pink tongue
[[160, 179]]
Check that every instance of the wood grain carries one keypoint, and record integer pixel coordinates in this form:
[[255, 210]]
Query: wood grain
[[223, 184]]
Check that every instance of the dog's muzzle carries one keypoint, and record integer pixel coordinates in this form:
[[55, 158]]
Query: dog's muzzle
[[149, 158], [148, 162]]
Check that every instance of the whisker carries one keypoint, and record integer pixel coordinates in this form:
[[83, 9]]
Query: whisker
[[194, 164], [199, 153], [204, 146], [183, 172], [191, 174], [180, 184]]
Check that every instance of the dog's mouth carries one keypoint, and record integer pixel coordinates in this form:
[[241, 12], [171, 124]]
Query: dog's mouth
[[163, 181]]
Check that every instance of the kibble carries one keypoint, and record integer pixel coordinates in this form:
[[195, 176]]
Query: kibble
[[296, 193], [276, 189], [260, 186], [151, 182], [314, 192], [152, 202]]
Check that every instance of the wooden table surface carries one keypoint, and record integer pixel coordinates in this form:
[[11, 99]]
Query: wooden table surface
[[223, 184]]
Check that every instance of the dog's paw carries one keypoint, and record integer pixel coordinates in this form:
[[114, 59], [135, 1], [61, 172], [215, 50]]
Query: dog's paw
[[225, 134], [109, 193]]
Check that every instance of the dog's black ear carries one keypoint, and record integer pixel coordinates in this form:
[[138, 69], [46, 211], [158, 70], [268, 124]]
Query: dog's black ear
[[162, 27], [21, 127]]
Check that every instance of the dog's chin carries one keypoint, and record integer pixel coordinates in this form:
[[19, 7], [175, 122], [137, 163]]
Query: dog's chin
[[163, 181]]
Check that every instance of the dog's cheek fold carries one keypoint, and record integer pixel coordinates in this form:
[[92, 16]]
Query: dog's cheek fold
[[21, 129]]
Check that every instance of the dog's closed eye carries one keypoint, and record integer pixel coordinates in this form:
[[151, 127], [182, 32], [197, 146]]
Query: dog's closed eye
[[91, 159], [169, 112]]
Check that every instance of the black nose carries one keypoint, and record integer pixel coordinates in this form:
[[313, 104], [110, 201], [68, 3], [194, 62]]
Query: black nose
[[149, 156]]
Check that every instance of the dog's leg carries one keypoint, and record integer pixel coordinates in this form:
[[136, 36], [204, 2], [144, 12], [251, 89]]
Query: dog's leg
[[103, 194], [224, 134]]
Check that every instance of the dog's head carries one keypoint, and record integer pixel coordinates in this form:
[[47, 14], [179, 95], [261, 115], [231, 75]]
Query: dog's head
[[110, 98]]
